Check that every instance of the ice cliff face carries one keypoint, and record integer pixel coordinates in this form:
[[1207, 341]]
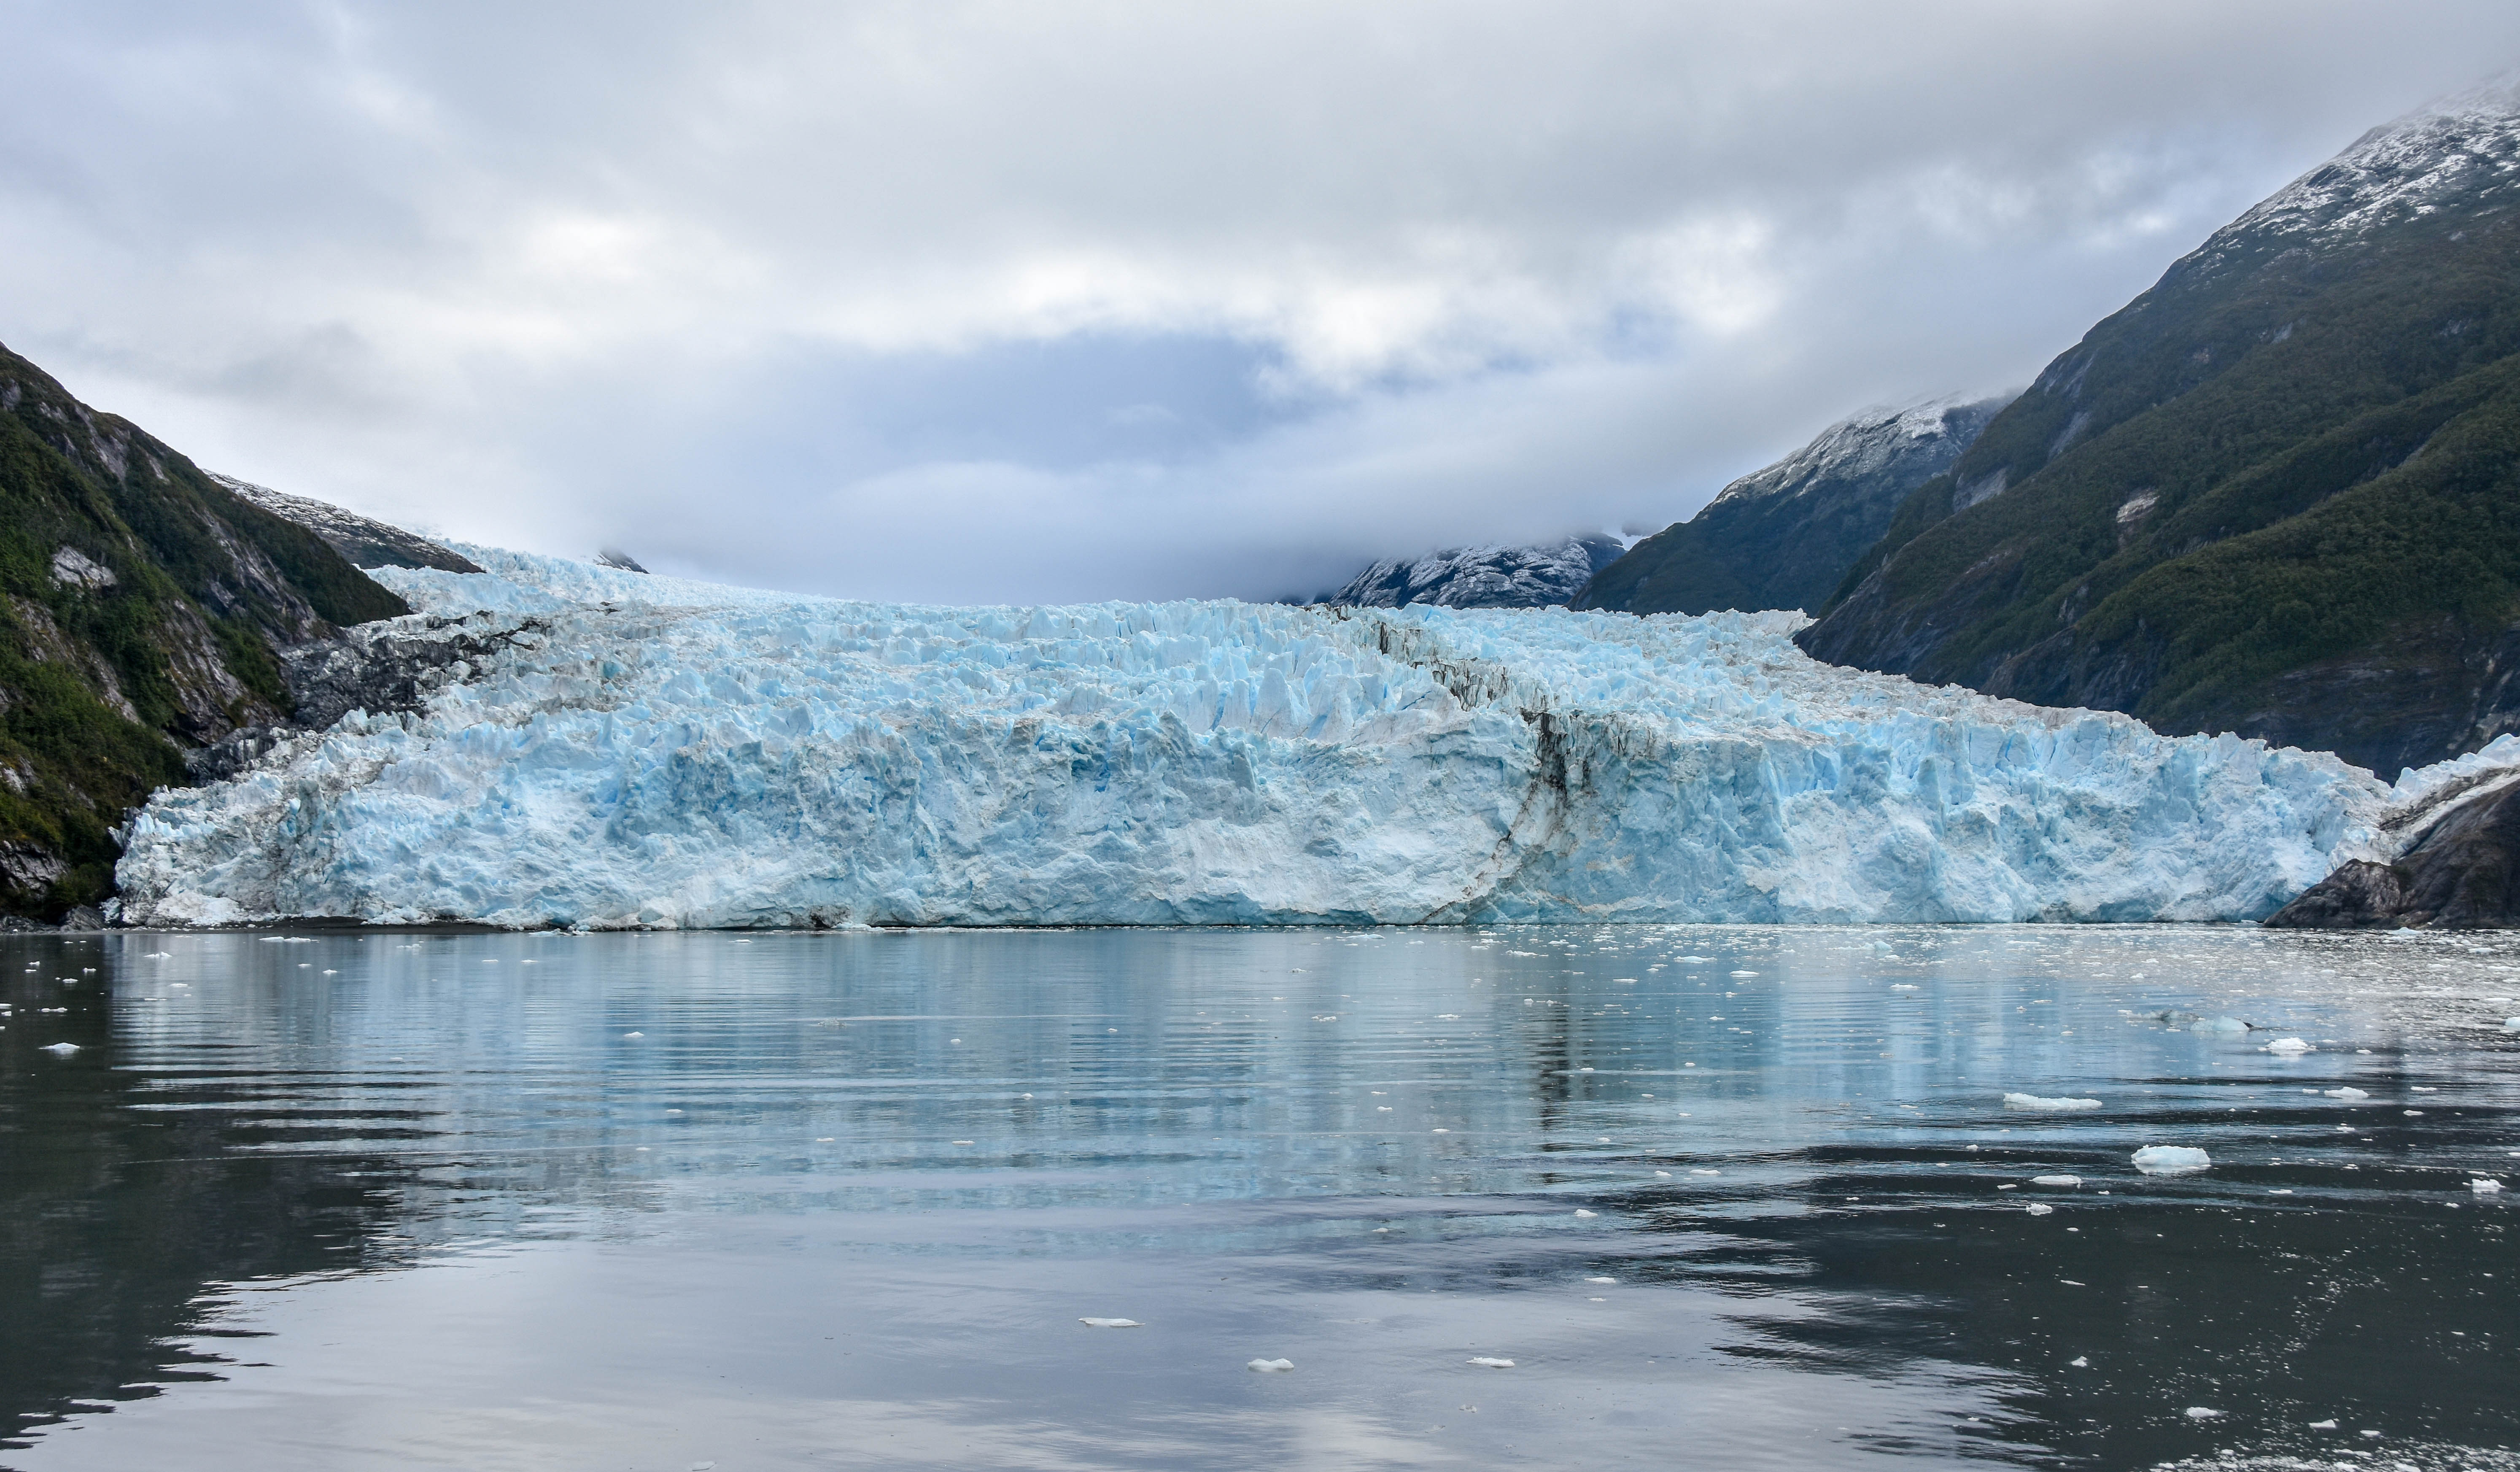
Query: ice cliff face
[[1497, 575], [633, 750]]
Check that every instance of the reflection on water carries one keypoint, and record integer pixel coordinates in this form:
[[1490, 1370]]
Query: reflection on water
[[1738, 1197]]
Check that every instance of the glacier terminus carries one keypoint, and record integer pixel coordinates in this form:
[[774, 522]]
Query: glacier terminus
[[623, 751]]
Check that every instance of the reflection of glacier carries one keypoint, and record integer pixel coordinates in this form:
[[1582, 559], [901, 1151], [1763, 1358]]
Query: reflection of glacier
[[643, 751]]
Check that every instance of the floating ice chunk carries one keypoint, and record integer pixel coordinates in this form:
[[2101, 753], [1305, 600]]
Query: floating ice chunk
[[2349, 1091], [1600, 1279], [1902, 986], [61, 1050], [1111, 1324], [2171, 1160], [1271, 1367], [1700, 961], [2040, 1209], [2203, 1413], [2326, 1425], [2055, 1180], [1489, 1362], [1581, 1212], [2080, 1361], [2293, 1046], [2511, 1024], [634, 1035], [1745, 973], [2060, 1104], [2221, 1025], [2486, 1185]]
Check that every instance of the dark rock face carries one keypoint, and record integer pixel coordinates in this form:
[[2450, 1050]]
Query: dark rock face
[[2462, 874], [382, 669], [1784, 536], [613, 556], [2277, 494]]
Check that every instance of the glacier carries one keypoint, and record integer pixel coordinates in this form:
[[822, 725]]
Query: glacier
[[620, 750]]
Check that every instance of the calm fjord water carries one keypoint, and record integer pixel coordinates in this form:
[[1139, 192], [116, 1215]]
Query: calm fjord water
[[1726, 1197]]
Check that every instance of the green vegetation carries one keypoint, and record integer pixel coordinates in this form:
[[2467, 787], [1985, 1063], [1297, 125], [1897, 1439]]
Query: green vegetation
[[166, 638], [2267, 495]]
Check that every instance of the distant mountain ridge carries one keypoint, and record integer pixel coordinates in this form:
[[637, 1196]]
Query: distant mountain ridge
[[364, 541], [1494, 575], [2277, 494], [1784, 537]]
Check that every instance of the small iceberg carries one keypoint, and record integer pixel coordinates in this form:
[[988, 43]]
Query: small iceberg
[[2058, 1105], [2203, 1413], [2040, 1209], [61, 1050], [2289, 1046], [1111, 1324], [2065, 1181], [1271, 1367], [2486, 1185], [1581, 1212], [1489, 1362], [2171, 1160], [2348, 1093]]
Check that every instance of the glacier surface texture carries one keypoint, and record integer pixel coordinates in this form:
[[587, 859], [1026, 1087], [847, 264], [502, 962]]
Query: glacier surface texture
[[620, 750]]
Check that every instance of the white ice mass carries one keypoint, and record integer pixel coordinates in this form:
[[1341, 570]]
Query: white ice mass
[[642, 751]]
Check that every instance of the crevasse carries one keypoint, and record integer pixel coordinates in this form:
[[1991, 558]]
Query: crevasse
[[643, 752]]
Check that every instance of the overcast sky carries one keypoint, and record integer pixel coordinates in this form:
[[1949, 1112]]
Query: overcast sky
[[1052, 299]]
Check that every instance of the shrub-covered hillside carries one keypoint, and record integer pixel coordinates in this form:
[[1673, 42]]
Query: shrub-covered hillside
[[142, 607]]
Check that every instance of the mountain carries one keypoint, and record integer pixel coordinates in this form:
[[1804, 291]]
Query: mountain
[[1493, 576], [2277, 494], [1784, 537], [143, 612], [366, 543]]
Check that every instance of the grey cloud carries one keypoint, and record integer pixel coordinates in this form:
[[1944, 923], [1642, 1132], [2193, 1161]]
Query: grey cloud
[[1010, 301]]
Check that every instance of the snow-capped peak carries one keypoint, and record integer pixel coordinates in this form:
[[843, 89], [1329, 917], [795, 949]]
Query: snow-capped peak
[[1864, 443], [2462, 147]]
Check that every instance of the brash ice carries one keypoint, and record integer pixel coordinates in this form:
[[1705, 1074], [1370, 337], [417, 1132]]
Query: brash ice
[[645, 751]]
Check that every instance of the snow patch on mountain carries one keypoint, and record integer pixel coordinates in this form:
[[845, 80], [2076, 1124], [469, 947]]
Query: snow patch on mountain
[[364, 541], [1495, 575], [639, 751], [1917, 442], [2463, 147]]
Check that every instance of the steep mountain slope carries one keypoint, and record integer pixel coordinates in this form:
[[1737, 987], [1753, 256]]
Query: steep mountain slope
[[143, 609], [1493, 576], [1784, 537], [2277, 494], [364, 541]]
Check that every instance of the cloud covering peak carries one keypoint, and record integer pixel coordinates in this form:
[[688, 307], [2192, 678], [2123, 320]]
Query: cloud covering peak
[[1008, 301]]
